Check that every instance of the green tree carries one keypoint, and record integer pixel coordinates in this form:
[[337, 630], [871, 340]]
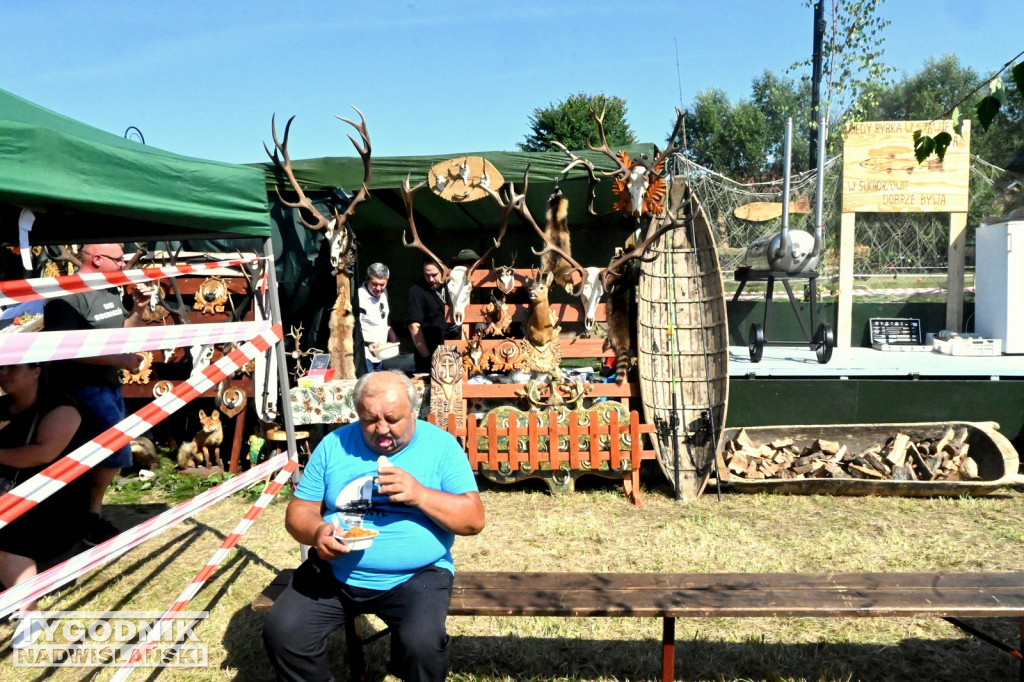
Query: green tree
[[571, 123], [745, 141], [852, 69], [939, 86], [1001, 103]]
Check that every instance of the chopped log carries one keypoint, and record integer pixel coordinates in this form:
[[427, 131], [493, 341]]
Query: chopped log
[[840, 454], [780, 443], [867, 471], [765, 451], [941, 443], [739, 463], [877, 463], [834, 470], [902, 473], [968, 469], [874, 448], [743, 440], [830, 447], [898, 450]]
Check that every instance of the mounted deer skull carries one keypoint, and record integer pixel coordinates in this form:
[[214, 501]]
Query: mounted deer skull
[[638, 184], [505, 276], [339, 236]]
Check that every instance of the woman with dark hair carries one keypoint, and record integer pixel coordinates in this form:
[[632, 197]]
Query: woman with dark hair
[[36, 429]]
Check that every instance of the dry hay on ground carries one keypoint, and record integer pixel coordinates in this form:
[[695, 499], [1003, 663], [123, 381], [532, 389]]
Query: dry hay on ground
[[597, 530]]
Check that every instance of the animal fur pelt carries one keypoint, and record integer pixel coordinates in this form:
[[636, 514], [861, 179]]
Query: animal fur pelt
[[342, 324], [557, 232], [621, 322]]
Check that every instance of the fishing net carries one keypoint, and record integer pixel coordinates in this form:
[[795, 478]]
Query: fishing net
[[886, 243]]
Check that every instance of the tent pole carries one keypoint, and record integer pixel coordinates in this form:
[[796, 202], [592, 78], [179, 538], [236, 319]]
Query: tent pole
[[282, 367]]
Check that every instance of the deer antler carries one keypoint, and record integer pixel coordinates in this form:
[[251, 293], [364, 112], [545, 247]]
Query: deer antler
[[610, 273], [364, 153], [623, 170], [284, 164], [506, 213], [587, 166], [518, 202], [407, 194], [672, 143]]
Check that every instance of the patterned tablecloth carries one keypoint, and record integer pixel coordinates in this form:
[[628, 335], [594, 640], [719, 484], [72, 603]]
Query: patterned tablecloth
[[331, 402]]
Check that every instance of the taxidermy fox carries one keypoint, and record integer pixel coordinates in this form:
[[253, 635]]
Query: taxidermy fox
[[557, 232], [197, 451], [342, 324]]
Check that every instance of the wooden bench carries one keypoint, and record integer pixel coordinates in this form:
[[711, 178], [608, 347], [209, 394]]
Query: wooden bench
[[717, 595]]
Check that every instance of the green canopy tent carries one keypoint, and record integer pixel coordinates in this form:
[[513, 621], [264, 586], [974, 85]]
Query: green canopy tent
[[445, 227], [85, 184]]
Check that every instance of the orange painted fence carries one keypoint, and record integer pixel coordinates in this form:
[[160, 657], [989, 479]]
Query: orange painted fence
[[581, 451]]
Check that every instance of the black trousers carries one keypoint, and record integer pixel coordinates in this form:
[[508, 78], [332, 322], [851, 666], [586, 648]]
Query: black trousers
[[315, 604]]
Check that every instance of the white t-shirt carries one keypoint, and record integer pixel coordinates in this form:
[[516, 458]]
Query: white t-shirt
[[373, 318]]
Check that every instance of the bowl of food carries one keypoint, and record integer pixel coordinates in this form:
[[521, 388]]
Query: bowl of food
[[386, 351], [356, 537]]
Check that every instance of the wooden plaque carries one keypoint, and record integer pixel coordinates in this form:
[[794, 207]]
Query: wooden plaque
[[464, 179], [881, 174]]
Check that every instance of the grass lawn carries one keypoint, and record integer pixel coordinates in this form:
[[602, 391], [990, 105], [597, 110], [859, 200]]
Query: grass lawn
[[595, 529]]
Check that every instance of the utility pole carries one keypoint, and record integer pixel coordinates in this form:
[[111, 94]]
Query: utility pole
[[819, 39]]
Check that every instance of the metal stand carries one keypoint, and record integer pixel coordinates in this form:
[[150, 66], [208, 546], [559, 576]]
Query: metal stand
[[822, 341]]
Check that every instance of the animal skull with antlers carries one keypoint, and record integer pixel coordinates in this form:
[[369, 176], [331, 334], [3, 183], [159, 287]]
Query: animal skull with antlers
[[338, 232]]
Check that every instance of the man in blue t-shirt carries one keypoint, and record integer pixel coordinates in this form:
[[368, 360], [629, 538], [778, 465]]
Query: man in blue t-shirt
[[411, 483]]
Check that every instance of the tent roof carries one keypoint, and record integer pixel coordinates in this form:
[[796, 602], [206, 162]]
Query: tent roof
[[85, 182], [386, 209]]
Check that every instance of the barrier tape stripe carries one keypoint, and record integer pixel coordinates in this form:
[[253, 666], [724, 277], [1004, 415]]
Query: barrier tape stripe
[[63, 471], [62, 573], [218, 557], [87, 343], [24, 290]]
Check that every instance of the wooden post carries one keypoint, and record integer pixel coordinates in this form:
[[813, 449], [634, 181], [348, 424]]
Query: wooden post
[[847, 244], [955, 271]]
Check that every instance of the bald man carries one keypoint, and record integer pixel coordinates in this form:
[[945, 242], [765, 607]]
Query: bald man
[[96, 382], [411, 483]]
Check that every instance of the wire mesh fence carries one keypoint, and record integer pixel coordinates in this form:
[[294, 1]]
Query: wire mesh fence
[[886, 243]]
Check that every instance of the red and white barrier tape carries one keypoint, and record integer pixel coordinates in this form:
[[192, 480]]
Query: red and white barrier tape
[[88, 343], [22, 290], [65, 572], [66, 469], [139, 651]]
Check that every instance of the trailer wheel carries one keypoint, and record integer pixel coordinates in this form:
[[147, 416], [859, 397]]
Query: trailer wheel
[[755, 342]]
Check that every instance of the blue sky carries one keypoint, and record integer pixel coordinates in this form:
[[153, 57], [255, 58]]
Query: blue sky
[[203, 78]]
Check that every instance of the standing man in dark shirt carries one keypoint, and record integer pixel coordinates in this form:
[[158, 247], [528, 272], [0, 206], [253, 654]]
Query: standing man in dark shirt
[[427, 311], [96, 382]]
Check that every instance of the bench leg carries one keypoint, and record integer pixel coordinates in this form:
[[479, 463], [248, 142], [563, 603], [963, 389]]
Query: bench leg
[[668, 649]]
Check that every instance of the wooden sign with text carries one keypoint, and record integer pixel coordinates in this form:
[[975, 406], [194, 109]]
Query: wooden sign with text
[[881, 175]]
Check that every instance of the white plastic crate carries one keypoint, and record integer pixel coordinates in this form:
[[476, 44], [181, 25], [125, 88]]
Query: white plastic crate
[[976, 347]]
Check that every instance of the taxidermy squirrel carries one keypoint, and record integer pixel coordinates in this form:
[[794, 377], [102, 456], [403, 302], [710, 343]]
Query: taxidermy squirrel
[[196, 452], [557, 232]]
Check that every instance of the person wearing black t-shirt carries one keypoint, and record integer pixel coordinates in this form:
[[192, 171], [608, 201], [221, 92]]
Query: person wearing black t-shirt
[[428, 314]]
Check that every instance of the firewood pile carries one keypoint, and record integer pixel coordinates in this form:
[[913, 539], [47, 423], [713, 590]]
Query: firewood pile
[[900, 458]]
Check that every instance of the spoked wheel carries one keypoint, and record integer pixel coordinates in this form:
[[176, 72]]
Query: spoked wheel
[[755, 342], [824, 342]]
